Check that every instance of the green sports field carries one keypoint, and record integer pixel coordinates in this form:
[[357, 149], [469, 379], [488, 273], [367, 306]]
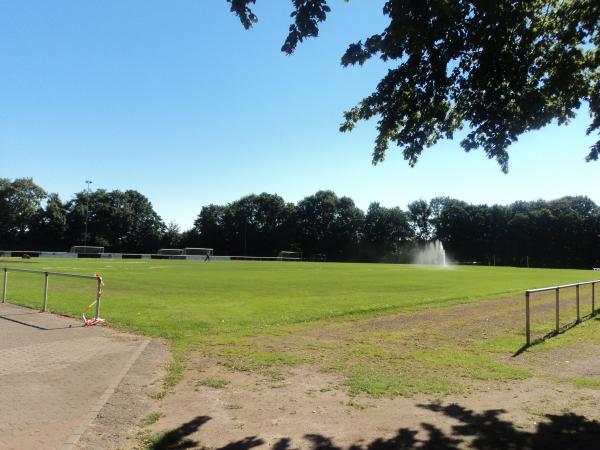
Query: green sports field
[[229, 305], [183, 298]]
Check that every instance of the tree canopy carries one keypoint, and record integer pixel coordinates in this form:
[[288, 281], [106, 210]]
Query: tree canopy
[[123, 220], [19, 206], [501, 68]]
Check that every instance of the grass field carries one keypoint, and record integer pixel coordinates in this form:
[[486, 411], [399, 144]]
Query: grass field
[[182, 298], [229, 302]]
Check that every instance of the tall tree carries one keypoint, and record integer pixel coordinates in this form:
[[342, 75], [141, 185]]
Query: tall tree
[[171, 237], [121, 220], [328, 224], [20, 206], [500, 67], [419, 213], [258, 225], [385, 232], [346, 229], [48, 230], [209, 228]]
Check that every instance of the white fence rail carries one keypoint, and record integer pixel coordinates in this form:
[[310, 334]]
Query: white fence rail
[[557, 289], [47, 275]]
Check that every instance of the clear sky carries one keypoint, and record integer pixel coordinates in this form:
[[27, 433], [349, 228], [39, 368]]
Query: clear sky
[[175, 99]]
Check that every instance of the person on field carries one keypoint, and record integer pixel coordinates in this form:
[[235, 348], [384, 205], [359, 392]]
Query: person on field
[[207, 257]]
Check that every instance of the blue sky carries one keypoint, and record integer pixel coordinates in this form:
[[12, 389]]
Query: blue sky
[[178, 101]]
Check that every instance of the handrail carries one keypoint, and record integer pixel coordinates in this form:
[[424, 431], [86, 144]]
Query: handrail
[[553, 288], [46, 274], [557, 289], [60, 274]]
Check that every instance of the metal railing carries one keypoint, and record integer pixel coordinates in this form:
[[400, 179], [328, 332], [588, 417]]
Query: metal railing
[[46, 276], [557, 289]]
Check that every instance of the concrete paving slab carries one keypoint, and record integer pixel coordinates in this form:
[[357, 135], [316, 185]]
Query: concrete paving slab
[[53, 373]]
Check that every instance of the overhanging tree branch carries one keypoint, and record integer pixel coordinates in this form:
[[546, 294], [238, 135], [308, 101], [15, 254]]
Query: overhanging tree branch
[[500, 68]]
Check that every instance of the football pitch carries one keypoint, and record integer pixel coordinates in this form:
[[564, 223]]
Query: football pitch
[[187, 298], [386, 329]]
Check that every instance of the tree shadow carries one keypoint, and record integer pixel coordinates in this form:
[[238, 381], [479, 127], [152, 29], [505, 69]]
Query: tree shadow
[[484, 430], [178, 439]]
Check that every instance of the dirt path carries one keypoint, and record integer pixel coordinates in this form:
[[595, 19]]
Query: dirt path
[[309, 405]]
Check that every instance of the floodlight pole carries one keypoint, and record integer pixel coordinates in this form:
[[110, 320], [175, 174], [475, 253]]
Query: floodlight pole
[[87, 211], [245, 234]]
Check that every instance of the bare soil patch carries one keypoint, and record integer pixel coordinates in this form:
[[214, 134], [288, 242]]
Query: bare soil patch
[[308, 405]]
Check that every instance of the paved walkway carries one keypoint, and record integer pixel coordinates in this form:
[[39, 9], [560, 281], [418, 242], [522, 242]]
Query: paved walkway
[[55, 376]]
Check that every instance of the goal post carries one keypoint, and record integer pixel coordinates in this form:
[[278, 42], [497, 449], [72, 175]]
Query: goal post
[[198, 251], [170, 251], [87, 250], [287, 255]]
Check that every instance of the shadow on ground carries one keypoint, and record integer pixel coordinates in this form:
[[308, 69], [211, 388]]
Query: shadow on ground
[[558, 332], [37, 327], [479, 431]]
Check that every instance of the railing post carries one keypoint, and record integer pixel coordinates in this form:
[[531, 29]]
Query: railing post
[[593, 299], [577, 301], [527, 321], [45, 305], [98, 294], [557, 310], [5, 286]]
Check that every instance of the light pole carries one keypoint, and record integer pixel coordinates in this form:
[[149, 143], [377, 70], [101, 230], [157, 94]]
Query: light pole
[[87, 211], [245, 234]]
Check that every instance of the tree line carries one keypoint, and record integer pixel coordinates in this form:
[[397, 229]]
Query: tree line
[[557, 233]]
